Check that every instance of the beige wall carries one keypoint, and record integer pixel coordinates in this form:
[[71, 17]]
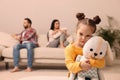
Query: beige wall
[[42, 12]]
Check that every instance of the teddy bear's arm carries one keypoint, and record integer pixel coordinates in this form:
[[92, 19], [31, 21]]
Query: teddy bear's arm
[[100, 63]]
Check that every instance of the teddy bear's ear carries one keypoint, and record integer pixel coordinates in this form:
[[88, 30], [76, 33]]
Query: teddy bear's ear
[[109, 55]]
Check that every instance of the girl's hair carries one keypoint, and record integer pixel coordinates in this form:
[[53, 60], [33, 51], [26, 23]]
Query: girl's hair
[[87, 21], [53, 23]]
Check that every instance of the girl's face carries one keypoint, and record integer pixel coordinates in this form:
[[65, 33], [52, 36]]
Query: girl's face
[[84, 33], [57, 25]]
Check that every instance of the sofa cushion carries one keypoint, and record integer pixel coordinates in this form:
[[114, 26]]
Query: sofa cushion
[[42, 40], [40, 52], [7, 40], [1, 49]]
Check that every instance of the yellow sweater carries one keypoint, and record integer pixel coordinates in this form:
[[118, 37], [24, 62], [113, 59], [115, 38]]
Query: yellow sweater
[[71, 53]]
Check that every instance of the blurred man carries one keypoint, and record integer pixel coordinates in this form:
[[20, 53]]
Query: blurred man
[[28, 40]]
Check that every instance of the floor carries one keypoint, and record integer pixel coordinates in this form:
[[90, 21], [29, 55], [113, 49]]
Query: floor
[[110, 73]]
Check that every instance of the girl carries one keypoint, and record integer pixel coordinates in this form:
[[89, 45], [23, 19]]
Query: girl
[[84, 30], [57, 36]]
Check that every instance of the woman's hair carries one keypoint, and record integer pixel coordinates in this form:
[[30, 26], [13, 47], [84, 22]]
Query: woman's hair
[[87, 21], [53, 23]]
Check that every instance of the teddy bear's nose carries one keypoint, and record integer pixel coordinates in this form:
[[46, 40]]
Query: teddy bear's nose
[[95, 54]]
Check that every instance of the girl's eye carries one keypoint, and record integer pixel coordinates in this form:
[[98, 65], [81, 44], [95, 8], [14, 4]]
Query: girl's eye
[[88, 36], [81, 34], [91, 49]]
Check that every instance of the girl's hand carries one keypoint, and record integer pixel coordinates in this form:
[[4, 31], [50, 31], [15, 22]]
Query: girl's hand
[[85, 65]]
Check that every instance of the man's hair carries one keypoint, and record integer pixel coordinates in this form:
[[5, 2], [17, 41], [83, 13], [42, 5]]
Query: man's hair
[[29, 20]]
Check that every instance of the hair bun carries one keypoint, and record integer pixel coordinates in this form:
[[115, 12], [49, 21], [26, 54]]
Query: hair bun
[[96, 19], [80, 16]]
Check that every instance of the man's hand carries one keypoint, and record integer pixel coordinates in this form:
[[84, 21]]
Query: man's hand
[[85, 65], [16, 36]]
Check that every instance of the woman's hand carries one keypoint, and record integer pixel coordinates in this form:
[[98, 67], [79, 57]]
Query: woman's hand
[[85, 65], [55, 32], [61, 31]]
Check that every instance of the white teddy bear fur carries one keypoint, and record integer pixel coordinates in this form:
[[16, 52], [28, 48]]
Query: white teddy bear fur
[[97, 48]]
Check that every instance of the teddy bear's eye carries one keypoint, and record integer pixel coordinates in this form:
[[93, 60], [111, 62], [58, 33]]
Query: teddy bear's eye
[[91, 49], [100, 53]]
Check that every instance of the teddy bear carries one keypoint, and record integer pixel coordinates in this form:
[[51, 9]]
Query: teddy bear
[[96, 48]]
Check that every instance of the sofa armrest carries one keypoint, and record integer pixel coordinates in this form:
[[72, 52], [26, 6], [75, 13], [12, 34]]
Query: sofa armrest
[[1, 49]]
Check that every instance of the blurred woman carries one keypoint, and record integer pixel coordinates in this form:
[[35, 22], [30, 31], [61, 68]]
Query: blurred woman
[[56, 36]]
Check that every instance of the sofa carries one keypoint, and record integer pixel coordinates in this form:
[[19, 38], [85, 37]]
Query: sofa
[[42, 54]]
